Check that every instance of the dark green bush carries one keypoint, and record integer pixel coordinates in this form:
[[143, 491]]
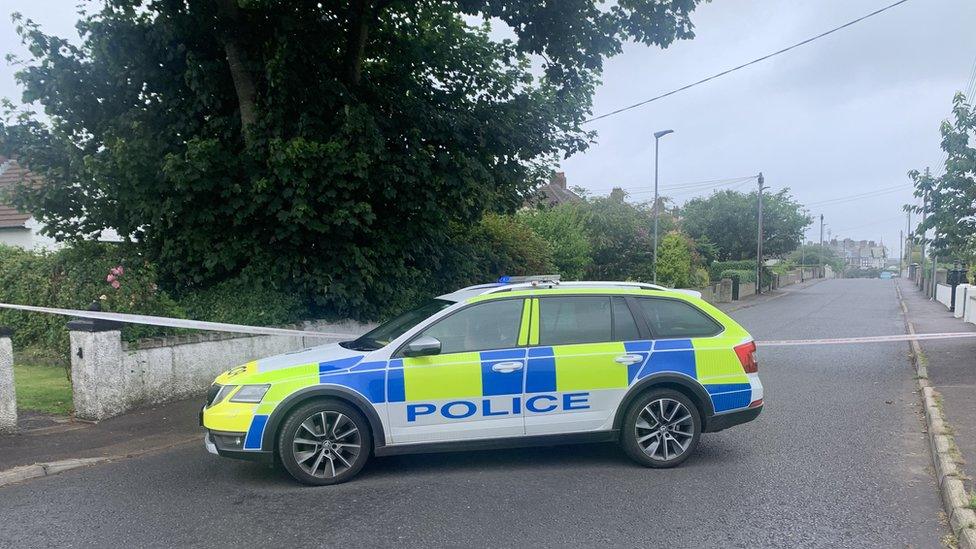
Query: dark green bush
[[717, 267], [73, 278], [744, 277]]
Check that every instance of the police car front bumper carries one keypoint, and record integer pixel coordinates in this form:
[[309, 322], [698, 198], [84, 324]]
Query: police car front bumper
[[229, 445]]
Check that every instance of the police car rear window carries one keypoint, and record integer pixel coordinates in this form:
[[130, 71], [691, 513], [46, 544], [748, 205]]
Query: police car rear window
[[671, 318]]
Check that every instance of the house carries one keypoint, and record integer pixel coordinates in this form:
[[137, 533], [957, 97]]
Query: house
[[19, 228], [553, 193], [860, 254]]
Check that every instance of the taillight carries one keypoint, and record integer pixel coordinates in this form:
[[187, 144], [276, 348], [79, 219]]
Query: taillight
[[747, 356]]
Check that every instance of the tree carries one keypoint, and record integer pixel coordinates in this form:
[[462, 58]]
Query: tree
[[674, 261], [951, 198], [338, 142], [812, 255], [729, 220], [621, 238], [562, 227]]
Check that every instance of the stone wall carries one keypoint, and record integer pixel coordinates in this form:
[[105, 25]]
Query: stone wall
[[109, 377]]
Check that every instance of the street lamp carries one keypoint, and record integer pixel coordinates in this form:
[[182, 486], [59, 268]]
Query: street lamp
[[657, 141]]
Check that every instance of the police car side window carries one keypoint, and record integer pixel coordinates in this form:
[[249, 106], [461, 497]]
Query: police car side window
[[624, 325], [568, 320], [490, 325], [671, 318]]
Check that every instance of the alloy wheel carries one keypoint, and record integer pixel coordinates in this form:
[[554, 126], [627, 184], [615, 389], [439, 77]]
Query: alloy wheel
[[664, 429], [326, 444]]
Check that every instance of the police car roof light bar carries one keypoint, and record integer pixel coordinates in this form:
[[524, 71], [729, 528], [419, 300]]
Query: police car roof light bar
[[553, 278]]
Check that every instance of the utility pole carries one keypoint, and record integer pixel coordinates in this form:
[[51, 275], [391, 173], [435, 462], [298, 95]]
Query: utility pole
[[803, 254], [759, 240], [821, 245], [657, 140], [925, 206], [901, 252]]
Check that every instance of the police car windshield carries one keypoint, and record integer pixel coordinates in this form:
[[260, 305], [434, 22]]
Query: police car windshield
[[382, 335]]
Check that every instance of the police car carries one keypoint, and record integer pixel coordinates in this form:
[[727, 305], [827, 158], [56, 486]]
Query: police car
[[520, 362]]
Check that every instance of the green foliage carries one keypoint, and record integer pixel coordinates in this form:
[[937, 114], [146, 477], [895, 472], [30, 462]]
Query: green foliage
[[251, 298], [812, 255], [716, 269], [674, 267], [951, 198], [496, 246], [743, 276], [621, 239], [340, 143], [73, 278], [728, 219], [563, 229]]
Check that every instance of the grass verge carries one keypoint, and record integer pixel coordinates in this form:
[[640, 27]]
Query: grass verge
[[42, 389]]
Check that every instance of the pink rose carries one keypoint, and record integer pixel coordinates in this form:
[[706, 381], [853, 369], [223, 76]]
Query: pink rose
[[116, 284], [110, 278]]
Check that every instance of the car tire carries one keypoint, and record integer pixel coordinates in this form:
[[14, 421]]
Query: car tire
[[324, 442], [661, 428]]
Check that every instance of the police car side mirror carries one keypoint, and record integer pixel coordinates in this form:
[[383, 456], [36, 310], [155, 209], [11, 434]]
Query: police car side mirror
[[423, 346]]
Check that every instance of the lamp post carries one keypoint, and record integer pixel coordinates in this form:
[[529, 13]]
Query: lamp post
[[657, 141]]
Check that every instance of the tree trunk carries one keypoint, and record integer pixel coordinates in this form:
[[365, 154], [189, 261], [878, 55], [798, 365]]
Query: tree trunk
[[361, 14], [237, 62]]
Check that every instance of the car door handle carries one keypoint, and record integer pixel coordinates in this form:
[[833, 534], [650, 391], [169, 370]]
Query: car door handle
[[628, 359], [506, 367]]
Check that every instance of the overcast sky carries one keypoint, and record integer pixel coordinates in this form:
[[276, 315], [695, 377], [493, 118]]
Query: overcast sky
[[846, 114]]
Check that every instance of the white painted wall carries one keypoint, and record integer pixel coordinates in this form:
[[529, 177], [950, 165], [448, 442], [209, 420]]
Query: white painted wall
[[962, 293], [943, 294], [970, 315], [30, 237], [110, 378]]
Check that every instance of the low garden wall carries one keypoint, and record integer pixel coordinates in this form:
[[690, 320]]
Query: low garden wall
[[109, 377]]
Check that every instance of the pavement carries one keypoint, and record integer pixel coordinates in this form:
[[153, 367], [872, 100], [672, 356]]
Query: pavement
[[951, 367], [838, 458], [134, 433]]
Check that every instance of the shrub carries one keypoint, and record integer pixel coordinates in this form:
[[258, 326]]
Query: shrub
[[674, 261], [743, 276], [252, 297], [73, 278], [563, 229]]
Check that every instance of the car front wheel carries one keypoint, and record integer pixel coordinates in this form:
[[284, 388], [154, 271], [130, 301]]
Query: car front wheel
[[324, 442], [661, 428]]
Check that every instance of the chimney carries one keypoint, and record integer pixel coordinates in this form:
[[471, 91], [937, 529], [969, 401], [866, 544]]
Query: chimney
[[558, 179]]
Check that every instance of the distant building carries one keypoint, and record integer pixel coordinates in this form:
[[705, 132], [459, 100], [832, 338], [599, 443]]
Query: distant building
[[553, 193], [20, 228], [860, 254]]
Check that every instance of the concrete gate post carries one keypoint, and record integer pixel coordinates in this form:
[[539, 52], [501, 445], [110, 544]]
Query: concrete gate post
[[8, 394], [98, 380]]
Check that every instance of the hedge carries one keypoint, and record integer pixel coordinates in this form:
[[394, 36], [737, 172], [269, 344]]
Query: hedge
[[121, 281], [744, 277]]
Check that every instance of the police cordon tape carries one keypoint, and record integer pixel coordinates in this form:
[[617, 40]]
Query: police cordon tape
[[260, 330], [176, 322]]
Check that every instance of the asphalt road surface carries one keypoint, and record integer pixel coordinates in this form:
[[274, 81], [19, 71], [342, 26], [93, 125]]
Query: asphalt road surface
[[837, 459]]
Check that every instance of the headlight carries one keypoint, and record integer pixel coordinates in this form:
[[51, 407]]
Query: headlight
[[250, 393], [218, 393]]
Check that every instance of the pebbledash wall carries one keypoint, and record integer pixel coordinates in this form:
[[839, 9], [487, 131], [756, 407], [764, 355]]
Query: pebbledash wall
[[110, 377]]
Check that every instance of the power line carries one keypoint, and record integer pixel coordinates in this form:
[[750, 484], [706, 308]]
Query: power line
[[860, 196], [695, 187], [744, 65]]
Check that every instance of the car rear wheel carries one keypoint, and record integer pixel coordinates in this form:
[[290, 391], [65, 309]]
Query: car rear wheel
[[661, 428], [324, 442]]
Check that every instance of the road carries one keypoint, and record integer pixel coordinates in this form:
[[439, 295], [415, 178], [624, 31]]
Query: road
[[837, 459]]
